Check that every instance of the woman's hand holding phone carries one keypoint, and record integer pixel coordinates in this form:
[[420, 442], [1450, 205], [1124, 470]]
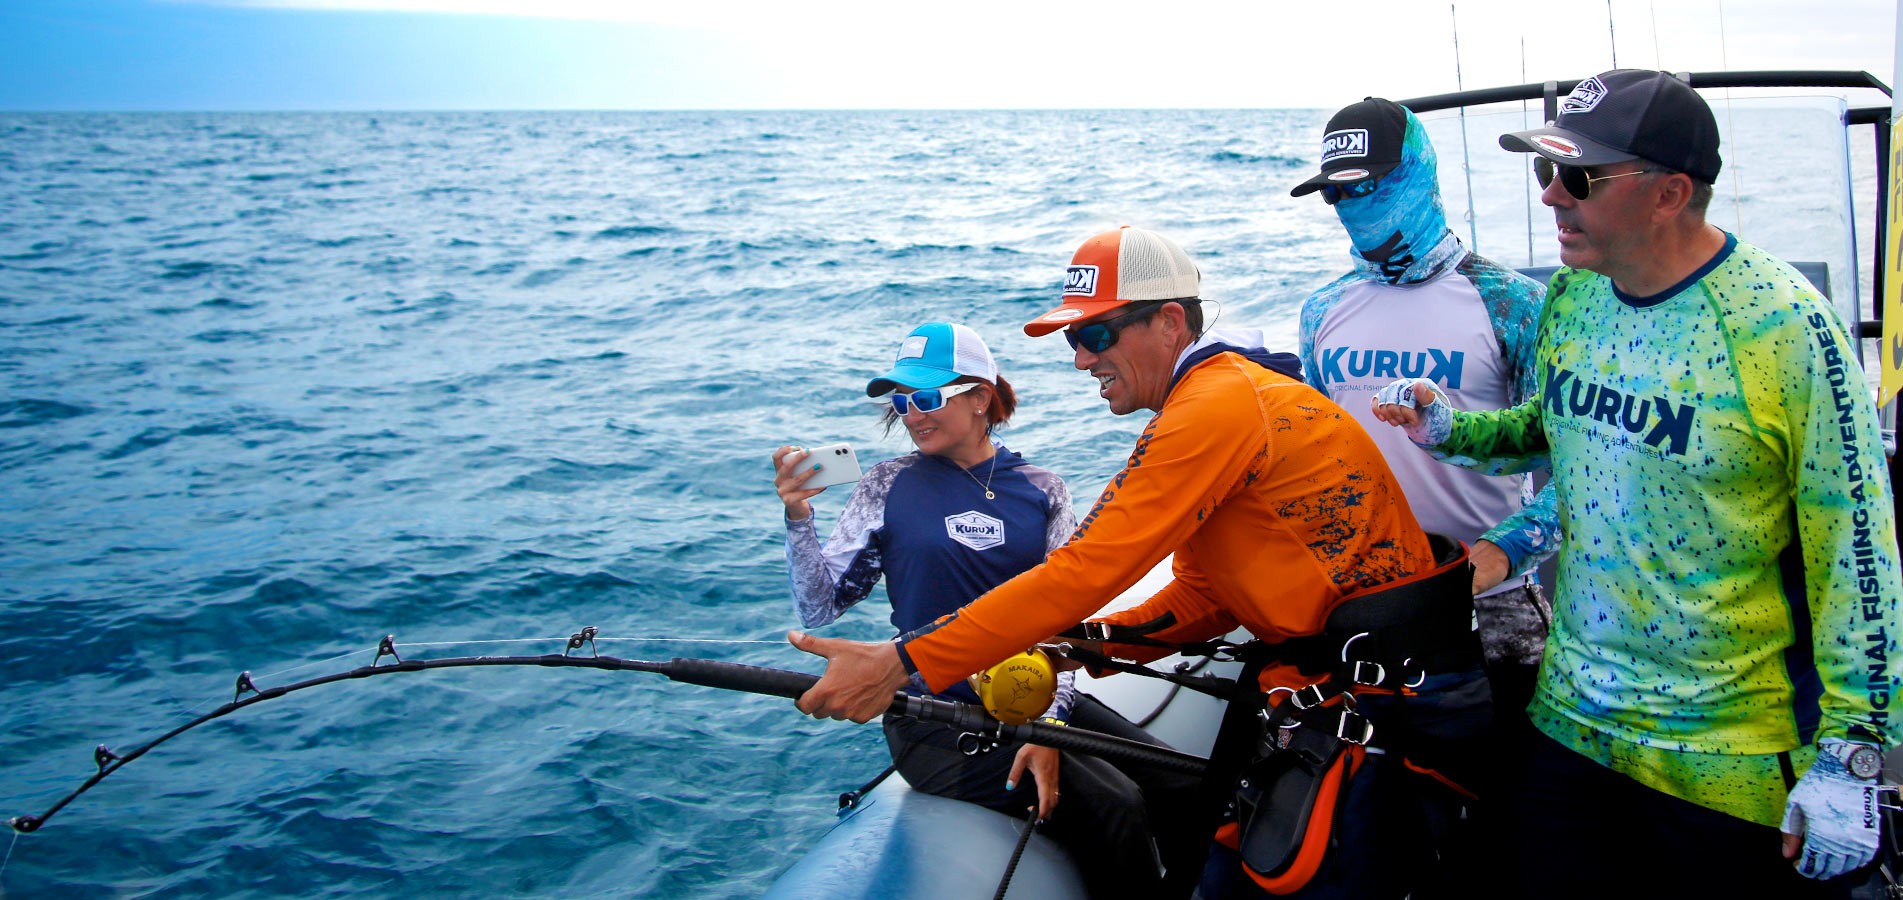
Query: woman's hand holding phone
[[790, 475], [796, 481]]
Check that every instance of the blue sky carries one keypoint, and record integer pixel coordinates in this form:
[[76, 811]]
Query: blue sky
[[756, 54]]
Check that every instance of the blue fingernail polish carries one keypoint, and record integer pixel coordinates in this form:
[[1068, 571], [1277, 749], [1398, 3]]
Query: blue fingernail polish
[[1010, 785]]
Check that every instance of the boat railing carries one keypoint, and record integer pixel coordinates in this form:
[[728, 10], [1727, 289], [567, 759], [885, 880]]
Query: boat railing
[[1551, 91]]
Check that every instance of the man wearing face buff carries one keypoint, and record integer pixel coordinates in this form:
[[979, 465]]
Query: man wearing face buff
[[1282, 517], [1723, 661], [1420, 303]]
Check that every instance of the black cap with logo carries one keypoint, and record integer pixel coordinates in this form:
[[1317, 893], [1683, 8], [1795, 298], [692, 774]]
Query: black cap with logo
[[1629, 114], [1364, 140]]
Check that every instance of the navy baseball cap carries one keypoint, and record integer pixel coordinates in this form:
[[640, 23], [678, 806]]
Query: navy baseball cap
[[1629, 114], [1364, 140]]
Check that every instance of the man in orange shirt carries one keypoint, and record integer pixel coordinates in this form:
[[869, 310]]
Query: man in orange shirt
[[1277, 505]]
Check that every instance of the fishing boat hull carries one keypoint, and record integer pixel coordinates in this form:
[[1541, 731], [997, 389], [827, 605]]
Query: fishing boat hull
[[898, 842]]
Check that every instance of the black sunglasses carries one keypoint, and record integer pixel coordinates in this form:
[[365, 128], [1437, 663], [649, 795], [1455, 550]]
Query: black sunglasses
[[1334, 193], [1577, 181], [1100, 336]]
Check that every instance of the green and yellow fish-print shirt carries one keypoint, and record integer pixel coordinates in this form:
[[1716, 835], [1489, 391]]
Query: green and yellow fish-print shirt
[[1693, 436]]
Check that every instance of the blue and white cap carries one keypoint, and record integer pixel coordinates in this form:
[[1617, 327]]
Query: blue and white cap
[[933, 355]]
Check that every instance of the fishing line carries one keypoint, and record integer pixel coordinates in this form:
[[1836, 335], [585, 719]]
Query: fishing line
[[1526, 173], [1658, 59], [1466, 158], [545, 640], [315, 662], [781, 642], [1724, 61], [1612, 38], [9, 859]]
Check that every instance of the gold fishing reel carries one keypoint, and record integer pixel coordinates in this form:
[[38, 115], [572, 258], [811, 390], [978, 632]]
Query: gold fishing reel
[[1018, 689]]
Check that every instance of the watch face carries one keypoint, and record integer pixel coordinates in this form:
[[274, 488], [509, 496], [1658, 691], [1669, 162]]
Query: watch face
[[1865, 762]]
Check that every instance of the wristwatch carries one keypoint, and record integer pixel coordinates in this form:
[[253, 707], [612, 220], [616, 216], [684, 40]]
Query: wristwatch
[[1863, 760]]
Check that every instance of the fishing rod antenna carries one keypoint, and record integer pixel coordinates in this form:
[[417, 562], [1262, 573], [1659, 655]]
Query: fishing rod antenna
[[584, 636], [386, 647]]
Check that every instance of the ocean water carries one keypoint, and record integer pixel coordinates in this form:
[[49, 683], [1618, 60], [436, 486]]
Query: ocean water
[[274, 386]]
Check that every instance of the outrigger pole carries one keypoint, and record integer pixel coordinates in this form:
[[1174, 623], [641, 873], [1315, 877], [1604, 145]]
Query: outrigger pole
[[704, 672]]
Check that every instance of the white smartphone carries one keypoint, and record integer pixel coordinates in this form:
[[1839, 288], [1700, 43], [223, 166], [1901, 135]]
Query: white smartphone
[[837, 465]]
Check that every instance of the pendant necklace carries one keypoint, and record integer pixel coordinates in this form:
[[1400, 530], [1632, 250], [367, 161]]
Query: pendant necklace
[[986, 484]]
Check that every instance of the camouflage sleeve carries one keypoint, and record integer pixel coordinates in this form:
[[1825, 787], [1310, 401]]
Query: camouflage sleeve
[[1060, 523], [1530, 535], [1514, 302], [1314, 310], [828, 580], [1060, 517], [1497, 442]]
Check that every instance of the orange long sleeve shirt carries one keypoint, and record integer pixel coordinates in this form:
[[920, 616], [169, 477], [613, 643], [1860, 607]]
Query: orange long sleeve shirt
[[1276, 503]]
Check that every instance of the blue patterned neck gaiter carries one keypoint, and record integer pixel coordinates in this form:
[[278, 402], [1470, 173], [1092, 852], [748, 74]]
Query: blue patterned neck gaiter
[[1400, 232]]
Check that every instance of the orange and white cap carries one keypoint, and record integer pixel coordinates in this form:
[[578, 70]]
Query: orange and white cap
[[1116, 268]]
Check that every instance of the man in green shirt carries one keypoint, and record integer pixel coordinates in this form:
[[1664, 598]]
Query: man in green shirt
[[1725, 612]]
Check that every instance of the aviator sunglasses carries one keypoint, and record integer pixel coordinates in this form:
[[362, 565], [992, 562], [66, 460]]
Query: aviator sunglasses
[[929, 400], [1100, 336], [1577, 181]]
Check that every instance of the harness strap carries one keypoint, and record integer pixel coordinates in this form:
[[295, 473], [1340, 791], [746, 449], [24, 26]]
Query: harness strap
[[1213, 685], [1110, 632]]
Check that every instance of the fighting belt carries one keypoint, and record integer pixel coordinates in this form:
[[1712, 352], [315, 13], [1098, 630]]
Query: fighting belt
[[1391, 635]]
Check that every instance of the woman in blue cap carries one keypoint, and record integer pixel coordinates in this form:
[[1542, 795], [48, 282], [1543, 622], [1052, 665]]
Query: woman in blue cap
[[944, 525]]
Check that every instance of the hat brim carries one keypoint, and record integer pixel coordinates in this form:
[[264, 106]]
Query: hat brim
[[1072, 312], [1349, 175], [912, 376], [1564, 146]]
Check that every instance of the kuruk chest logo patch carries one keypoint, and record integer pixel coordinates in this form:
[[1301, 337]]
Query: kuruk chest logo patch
[[975, 530]]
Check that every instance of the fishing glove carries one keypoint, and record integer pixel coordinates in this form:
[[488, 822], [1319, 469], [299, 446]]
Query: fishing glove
[[1437, 417], [1835, 813]]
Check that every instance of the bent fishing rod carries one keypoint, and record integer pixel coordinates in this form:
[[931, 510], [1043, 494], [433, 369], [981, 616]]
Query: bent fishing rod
[[704, 672]]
